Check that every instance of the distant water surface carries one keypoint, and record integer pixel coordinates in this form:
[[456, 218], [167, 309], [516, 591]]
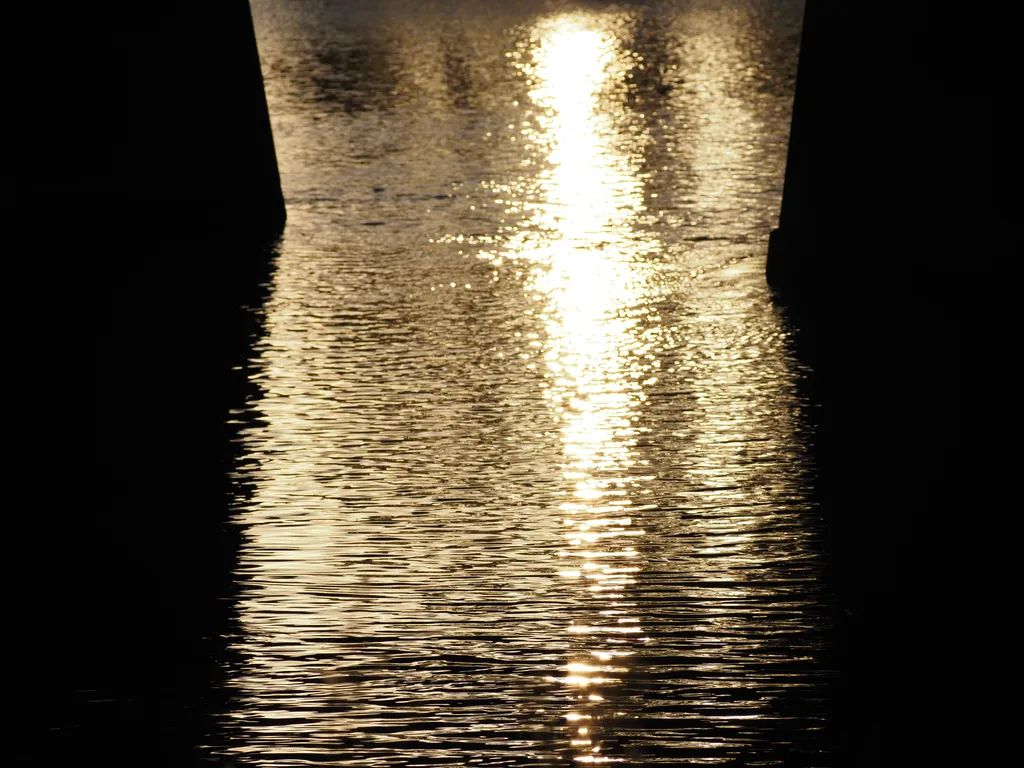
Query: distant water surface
[[524, 477]]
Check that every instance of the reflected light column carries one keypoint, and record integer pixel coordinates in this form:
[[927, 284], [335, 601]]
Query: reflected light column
[[589, 272]]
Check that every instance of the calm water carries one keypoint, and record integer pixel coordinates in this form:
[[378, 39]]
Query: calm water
[[524, 479]]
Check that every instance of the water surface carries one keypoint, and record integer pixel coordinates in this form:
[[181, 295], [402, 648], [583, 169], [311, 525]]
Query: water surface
[[524, 478]]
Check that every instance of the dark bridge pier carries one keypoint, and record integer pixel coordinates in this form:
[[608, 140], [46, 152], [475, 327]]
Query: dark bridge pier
[[141, 200], [892, 159], [889, 227], [127, 120]]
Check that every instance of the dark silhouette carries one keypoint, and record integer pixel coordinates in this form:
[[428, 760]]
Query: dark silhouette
[[154, 120], [141, 200], [888, 225]]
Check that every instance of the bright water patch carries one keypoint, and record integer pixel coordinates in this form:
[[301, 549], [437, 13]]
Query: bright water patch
[[525, 476]]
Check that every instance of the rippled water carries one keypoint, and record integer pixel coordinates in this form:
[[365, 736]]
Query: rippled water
[[524, 479]]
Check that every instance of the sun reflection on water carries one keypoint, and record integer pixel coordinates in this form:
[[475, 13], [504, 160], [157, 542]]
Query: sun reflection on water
[[544, 504], [589, 272]]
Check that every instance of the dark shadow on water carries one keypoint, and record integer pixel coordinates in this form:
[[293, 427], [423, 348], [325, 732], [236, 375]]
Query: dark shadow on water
[[909, 474], [120, 606]]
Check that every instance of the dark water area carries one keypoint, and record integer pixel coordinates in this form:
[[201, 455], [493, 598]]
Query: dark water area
[[505, 454]]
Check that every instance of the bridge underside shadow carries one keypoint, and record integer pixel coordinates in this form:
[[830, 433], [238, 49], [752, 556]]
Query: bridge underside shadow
[[889, 235], [141, 204]]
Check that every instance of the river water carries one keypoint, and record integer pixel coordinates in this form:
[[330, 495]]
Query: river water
[[524, 477]]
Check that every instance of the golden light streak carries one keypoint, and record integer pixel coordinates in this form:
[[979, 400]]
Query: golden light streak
[[587, 264]]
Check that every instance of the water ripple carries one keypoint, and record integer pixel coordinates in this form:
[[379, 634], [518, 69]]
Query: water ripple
[[524, 477]]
